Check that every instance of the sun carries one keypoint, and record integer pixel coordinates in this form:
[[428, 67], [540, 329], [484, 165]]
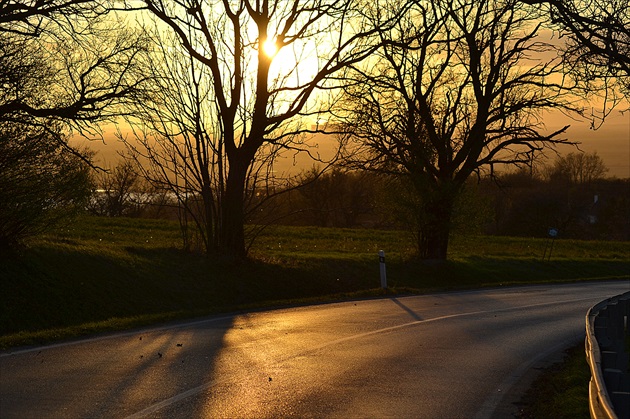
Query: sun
[[270, 48]]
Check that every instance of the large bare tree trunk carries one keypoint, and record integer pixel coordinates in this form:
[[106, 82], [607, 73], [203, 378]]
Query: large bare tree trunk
[[433, 236], [435, 219], [232, 232]]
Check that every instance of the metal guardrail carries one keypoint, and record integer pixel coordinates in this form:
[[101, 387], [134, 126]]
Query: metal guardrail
[[606, 353]]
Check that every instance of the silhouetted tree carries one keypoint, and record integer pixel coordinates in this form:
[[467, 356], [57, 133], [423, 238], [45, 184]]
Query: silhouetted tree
[[242, 103], [596, 49], [63, 60], [32, 18], [599, 36], [122, 191], [62, 67], [41, 181], [570, 195], [457, 86], [578, 168], [609, 216], [335, 199]]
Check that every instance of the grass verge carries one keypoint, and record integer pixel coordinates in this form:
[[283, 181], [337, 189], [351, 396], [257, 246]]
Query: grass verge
[[560, 391], [103, 274]]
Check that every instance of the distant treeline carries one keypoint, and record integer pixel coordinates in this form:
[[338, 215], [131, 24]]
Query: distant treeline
[[516, 204], [513, 204]]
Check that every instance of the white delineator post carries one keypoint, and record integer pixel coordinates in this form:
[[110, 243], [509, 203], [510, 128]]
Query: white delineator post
[[381, 259]]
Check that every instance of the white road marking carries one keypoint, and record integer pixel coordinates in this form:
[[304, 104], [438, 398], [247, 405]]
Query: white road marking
[[116, 335]]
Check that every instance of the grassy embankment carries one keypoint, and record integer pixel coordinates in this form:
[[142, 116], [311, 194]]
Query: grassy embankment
[[101, 274], [561, 391]]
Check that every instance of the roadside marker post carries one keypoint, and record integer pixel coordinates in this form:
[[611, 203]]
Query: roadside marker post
[[381, 259]]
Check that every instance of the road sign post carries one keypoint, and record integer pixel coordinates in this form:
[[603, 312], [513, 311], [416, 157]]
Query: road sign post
[[553, 233]]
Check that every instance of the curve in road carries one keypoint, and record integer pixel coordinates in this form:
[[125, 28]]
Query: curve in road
[[441, 355]]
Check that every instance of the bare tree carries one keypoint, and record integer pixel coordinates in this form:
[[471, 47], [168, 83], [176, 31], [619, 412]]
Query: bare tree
[[175, 140], [64, 66], [578, 168], [34, 17], [86, 56], [245, 101], [41, 182], [596, 50], [338, 198], [123, 192], [599, 35], [458, 86]]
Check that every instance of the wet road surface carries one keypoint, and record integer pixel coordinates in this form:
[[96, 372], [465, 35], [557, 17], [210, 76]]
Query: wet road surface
[[448, 355]]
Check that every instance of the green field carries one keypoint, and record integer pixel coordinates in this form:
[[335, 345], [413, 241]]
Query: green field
[[100, 274]]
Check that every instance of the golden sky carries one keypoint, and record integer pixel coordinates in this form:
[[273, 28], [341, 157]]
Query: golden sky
[[611, 142]]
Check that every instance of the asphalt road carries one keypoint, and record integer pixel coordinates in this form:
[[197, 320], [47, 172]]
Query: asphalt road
[[448, 355]]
